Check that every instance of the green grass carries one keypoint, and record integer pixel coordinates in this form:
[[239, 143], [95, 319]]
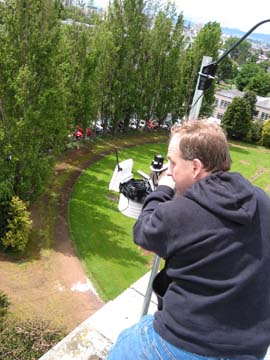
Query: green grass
[[253, 163], [103, 236]]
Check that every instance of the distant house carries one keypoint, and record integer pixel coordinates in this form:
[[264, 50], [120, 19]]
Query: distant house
[[225, 97]]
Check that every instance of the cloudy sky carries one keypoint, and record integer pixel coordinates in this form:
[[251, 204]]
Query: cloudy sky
[[240, 14]]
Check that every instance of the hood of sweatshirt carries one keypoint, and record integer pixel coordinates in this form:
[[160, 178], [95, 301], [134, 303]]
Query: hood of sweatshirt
[[227, 194]]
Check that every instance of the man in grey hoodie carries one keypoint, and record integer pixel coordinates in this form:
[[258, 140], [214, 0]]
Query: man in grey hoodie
[[212, 227]]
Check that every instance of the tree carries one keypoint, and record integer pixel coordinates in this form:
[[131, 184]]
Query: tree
[[32, 94], [237, 119], [125, 26], [81, 54], [251, 97], [241, 52], [168, 96], [166, 43], [266, 134], [260, 84], [246, 73], [227, 69]]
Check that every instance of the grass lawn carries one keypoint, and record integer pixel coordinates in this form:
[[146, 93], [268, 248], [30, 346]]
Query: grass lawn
[[103, 236]]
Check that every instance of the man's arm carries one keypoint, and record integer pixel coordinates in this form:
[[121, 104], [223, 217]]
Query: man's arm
[[150, 231]]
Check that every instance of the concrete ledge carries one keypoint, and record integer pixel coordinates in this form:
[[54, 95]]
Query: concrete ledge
[[92, 339]]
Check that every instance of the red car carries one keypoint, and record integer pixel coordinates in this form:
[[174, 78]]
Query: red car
[[78, 134], [152, 124]]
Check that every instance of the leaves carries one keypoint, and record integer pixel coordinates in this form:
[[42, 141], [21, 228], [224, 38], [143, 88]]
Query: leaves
[[18, 225], [237, 119]]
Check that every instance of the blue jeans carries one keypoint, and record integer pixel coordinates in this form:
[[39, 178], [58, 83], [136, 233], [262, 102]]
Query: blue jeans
[[141, 341]]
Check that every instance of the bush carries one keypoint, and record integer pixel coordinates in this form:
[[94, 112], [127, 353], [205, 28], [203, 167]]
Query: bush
[[4, 304], [18, 225], [266, 134], [256, 131], [27, 340]]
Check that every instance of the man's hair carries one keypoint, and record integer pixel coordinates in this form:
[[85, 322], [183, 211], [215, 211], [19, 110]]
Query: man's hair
[[206, 142]]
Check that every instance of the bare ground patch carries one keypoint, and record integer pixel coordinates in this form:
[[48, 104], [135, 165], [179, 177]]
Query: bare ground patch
[[258, 173]]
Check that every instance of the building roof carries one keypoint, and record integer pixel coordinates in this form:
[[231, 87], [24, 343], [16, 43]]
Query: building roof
[[230, 93], [263, 102]]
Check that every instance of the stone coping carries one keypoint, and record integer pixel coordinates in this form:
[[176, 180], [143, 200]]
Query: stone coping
[[92, 339]]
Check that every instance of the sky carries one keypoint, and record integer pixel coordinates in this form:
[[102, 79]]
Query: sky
[[239, 14]]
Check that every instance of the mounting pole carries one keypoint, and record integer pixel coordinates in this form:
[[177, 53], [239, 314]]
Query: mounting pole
[[198, 95]]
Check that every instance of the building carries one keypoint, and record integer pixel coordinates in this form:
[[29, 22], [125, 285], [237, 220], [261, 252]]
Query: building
[[225, 97]]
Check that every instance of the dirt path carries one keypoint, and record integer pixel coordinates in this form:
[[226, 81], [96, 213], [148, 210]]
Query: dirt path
[[53, 287]]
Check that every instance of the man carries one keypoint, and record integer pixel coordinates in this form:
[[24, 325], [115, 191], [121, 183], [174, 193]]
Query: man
[[212, 227]]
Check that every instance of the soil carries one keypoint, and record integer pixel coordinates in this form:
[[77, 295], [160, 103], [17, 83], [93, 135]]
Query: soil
[[53, 287]]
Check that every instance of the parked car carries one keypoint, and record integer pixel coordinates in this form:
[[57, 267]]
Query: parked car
[[152, 124], [142, 124], [99, 129], [133, 124], [79, 134]]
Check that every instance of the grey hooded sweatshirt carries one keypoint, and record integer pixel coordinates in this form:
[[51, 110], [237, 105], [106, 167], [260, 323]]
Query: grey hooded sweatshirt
[[216, 242]]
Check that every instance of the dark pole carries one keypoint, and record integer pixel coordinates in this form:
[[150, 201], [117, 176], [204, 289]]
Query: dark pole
[[208, 72]]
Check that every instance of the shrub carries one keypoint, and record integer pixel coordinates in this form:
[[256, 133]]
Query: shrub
[[18, 225], [256, 131], [4, 304], [266, 134], [27, 340]]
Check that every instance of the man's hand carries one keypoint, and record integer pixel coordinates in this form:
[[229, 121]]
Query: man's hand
[[166, 180]]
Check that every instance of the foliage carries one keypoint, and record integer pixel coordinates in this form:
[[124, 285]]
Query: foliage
[[32, 94], [27, 339], [253, 77], [227, 69], [132, 63], [4, 209], [265, 65], [265, 139], [128, 24], [251, 97], [18, 225], [256, 131], [81, 63], [166, 42], [4, 304], [237, 119], [241, 52], [246, 72], [260, 84]]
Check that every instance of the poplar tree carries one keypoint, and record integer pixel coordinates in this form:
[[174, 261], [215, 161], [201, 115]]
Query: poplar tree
[[127, 23], [32, 95]]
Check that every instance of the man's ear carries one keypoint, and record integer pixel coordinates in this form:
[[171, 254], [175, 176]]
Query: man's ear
[[197, 168]]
